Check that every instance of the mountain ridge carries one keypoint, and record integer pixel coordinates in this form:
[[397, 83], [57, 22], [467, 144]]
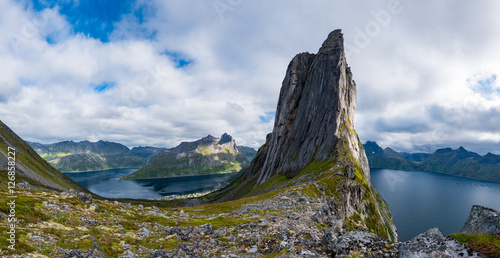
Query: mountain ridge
[[70, 156], [208, 155], [458, 162]]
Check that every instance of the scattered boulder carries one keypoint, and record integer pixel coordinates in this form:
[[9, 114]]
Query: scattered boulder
[[128, 254], [83, 197], [366, 244], [482, 220], [143, 233], [90, 222], [433, 243], [26, 186]]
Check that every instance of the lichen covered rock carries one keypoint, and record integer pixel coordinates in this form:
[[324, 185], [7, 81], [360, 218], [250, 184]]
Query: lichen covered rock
[[482, 220], [433, 243]]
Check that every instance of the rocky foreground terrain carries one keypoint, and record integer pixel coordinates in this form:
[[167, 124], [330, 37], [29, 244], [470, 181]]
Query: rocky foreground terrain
[[286, 224]]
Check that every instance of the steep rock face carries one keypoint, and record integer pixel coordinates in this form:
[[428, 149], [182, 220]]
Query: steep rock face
[[314, 146], [29, 166], [317, 99], [482, 220]]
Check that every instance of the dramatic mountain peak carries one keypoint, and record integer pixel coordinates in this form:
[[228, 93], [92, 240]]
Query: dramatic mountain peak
[[208, 155], [209, 138], [225, 138], [315, 109], [313, 146]]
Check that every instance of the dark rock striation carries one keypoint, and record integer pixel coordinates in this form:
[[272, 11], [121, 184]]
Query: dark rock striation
[[482, 220], [317, 98]]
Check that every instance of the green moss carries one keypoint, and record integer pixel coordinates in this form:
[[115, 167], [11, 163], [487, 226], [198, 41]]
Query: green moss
[[272, 182], [485, 244], [311, 191], [27, 209], [129, 225], [353, 222], [315, 167]]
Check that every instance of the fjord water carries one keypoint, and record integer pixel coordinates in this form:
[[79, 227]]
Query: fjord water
[[105, 183], [422, 200]]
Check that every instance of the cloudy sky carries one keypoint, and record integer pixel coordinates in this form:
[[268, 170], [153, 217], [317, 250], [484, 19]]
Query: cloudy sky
[[159, 72]]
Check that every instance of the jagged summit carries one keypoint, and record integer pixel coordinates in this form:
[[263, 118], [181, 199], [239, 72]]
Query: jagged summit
[[208, 155], [225, 138], [317, 101]]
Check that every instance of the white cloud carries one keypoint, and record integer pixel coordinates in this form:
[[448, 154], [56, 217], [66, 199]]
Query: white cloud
[[414, 75]]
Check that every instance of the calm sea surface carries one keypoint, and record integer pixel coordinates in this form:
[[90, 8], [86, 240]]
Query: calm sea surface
[[422, 200], [106, 184]]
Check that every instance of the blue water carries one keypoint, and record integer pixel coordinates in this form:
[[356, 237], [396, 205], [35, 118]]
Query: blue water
[[106, 184], [422, 200]]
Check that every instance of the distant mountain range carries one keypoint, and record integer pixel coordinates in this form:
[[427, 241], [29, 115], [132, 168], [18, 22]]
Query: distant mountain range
[[459, 162], [209, 155], [69, 156]]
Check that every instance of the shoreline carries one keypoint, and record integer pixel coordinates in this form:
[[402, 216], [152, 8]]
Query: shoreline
[[179, 176], [442, 173], [75, 172]]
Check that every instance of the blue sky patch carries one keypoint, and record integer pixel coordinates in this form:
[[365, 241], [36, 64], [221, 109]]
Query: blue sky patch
[[93, 18], [267, 117], [486, 87], [103, 86], [178, 58]]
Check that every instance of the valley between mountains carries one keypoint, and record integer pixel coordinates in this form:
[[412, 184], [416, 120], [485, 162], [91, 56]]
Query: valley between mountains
[[306, 193]]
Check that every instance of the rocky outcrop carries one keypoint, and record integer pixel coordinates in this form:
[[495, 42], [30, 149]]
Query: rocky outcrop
[[482, 220], [433, 243], [366, 244], [83, 197]]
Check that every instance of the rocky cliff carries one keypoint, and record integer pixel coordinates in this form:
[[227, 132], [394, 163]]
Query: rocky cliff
[[29, 167], [209, 155], [482, 220], [314, 145]]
